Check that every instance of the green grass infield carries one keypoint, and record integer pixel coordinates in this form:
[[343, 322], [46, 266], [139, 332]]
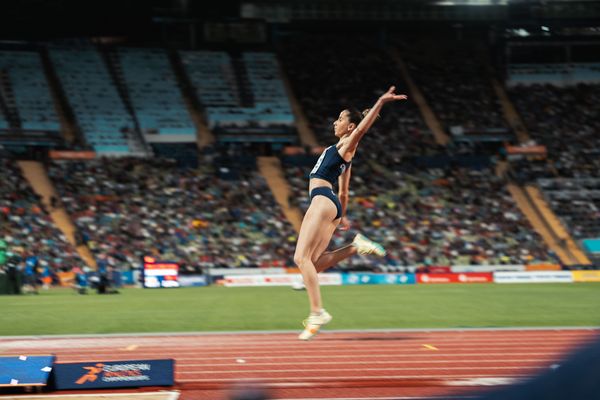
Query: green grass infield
[[62, 311]]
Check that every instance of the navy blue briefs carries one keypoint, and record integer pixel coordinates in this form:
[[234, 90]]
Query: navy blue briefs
[[327, 192]]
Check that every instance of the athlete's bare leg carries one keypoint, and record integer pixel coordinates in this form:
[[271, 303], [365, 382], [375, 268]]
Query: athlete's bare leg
[[316, 229]]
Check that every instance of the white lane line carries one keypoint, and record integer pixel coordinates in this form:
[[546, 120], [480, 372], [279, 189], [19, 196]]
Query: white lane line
[[295, 331], [270, 371], [293, 345], [352, 356], [370, 361], [338, 378], [309, 351], [493, 381], [317, 345], [291, 337]]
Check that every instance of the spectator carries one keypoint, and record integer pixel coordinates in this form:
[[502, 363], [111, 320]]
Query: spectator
[[27, 229]]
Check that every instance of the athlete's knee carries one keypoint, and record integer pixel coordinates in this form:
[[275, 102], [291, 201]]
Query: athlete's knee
[[302, 260], [299, 260]]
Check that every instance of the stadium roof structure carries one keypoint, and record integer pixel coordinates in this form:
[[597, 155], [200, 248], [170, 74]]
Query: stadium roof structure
[[35, 19]]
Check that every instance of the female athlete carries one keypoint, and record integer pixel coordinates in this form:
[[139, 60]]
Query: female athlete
[[327, 211]]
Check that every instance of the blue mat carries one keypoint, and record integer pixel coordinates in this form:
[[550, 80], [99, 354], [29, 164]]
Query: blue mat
[[25, 370]]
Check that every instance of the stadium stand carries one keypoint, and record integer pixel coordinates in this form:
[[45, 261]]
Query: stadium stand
[[432, 216], [428, 204], [559, 74], [26, 227], [254, 103], [154, 92], [270, 100], [32, 97], [577, 202], [569, 178], [354, 73], [99, 110], [568, 132], [405, 189], [4, 124], [212, 216], [454, 77]]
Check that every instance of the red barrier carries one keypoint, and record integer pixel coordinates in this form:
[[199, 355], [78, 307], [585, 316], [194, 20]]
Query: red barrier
[[467, 277], [71, 155], [527, 150]]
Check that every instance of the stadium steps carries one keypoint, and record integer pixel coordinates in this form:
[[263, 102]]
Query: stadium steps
[[538, 223], [432, 121], [270, 168], [510, 113], [8, 100], [37, 176], [243, 82], [561, 232], [4, 108], [68, 124], [135, 139], [204, 135], [502, 168], [307, 136]]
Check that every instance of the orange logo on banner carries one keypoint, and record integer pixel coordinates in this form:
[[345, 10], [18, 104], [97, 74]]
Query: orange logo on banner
[[92, 374], [542, 267]]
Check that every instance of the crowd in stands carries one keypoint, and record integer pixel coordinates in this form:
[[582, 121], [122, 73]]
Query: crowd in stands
[[526, 170], [577, 202], [352, 72], [222, 214], [421, 215], [433, 216], [26, 228], [566, 120], [454, 78], [130, 208]]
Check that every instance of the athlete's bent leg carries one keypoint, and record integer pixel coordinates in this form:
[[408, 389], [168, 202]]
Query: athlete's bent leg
[[331, 258]]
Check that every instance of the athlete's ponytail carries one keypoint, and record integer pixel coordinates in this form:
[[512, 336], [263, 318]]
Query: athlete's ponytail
[[356, 116]]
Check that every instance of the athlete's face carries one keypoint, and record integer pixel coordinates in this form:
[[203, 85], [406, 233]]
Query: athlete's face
[[342, 126]]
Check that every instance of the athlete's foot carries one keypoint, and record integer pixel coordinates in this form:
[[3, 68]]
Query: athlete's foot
[[365, 245], [313, 323]]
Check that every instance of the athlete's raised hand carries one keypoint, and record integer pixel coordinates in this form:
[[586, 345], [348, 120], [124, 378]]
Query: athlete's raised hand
[[391, 96]]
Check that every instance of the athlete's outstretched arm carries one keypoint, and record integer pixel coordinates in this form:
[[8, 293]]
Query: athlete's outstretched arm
[[368, 120], [343, 194]]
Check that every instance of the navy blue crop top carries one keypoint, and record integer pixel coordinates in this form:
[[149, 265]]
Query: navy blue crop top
[[330, 165]]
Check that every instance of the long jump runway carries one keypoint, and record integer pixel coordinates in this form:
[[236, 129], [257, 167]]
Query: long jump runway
[[395, 364]]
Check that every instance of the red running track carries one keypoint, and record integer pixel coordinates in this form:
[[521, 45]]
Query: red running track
[[358, 365]]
